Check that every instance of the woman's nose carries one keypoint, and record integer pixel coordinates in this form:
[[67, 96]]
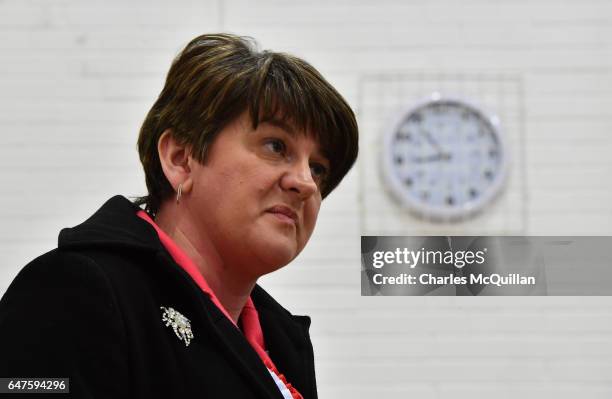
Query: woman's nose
[[298, 178]]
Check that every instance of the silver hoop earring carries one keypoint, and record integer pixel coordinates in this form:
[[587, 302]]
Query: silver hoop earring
[[179, 192]]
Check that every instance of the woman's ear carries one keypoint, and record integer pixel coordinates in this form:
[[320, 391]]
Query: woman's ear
[[174, 159]]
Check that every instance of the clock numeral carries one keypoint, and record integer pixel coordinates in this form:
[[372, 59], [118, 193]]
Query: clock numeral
[[403, 136], [416, 118]]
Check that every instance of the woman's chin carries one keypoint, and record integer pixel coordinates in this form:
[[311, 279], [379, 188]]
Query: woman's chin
[[272, 253]]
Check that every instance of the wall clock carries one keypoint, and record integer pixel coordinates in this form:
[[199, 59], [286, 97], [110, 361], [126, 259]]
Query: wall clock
[[445, 158]]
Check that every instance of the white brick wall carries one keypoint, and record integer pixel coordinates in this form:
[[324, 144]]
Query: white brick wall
[[77, 77]]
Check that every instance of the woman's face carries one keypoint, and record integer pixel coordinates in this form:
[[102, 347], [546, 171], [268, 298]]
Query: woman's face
[[257, 196]]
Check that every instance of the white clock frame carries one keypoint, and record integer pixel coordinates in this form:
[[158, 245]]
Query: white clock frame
[[439, 213]]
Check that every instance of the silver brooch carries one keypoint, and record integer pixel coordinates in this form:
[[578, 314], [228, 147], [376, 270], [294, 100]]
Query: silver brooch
[[179, 323]]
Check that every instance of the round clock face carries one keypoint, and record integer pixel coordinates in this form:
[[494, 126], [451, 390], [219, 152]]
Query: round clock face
[[444, 159]]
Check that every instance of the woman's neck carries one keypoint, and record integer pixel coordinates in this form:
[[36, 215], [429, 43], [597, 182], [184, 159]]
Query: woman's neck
[[230, 288]]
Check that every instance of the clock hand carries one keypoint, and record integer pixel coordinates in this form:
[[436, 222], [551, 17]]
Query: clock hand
[[435, 144], [432, 158]]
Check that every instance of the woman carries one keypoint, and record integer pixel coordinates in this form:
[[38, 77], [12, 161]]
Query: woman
[[238, 151]]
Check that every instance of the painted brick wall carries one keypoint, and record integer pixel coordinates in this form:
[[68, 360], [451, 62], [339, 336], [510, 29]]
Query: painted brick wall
[[77, 77]]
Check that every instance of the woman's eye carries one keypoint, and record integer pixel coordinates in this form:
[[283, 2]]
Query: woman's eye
[[277, 146], [318, 171]]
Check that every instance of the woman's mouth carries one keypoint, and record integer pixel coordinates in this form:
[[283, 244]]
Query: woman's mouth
[[284, 213]]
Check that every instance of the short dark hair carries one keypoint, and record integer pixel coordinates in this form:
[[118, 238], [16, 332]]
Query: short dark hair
[[219, 76]]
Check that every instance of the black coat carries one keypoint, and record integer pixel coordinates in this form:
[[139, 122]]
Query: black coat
[[90, 310]]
